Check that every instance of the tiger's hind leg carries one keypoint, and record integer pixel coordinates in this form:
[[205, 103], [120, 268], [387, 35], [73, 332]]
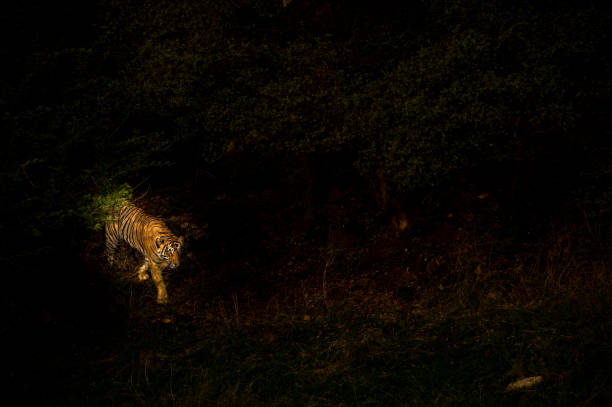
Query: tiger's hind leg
[[112, 240], [142, 270]]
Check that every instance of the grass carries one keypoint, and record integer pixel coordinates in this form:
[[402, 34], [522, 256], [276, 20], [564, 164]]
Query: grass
[[455, 334], [444, 355]]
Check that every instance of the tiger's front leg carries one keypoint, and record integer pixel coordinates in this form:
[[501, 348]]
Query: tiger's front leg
[[142, 270], [162, 294]]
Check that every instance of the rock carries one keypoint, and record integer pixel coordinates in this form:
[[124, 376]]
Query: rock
[[525, 383]]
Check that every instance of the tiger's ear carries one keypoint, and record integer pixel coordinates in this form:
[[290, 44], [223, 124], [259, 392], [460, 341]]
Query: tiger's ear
[[181, 240]]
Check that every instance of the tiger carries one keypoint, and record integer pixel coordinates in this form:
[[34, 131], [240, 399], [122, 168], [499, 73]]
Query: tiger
[[149, 235]]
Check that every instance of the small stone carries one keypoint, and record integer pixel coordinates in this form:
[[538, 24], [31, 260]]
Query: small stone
[[525, 383]]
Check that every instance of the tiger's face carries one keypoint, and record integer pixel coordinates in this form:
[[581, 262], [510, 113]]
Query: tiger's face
[[169, 250]]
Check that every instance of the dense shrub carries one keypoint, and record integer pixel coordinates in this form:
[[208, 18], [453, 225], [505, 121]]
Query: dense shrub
[[412, 94]]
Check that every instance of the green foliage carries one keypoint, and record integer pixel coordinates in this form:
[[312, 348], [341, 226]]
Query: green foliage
[[466, 99], [480, 83], [464, 84], [96, 210]]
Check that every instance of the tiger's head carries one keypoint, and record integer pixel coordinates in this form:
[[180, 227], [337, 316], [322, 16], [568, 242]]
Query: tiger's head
[[169, 249]]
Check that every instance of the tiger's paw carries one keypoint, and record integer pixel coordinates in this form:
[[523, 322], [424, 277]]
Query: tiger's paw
[[143, 276], [162, 299]]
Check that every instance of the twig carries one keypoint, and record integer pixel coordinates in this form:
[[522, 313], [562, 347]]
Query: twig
[[327, 264], [27, 176], [145, 192], [237, 314]]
